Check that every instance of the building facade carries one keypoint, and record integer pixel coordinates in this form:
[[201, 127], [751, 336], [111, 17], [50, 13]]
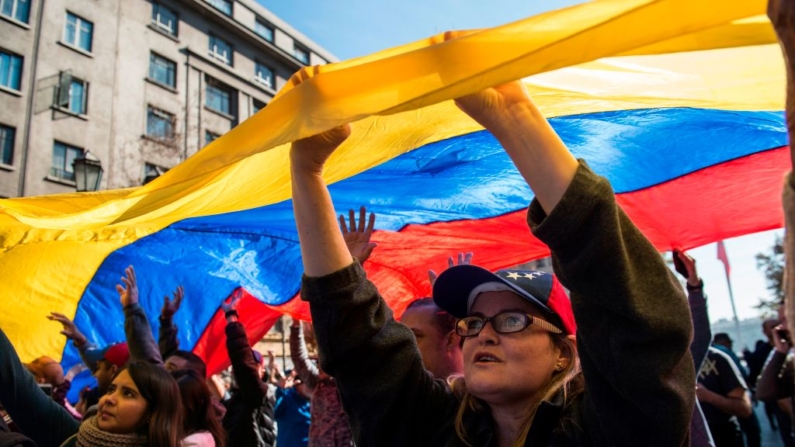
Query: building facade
[[141, 84]]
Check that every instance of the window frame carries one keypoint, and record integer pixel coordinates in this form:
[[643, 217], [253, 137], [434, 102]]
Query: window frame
[[152, 56], [156, 23], [84, 103], [215, 4], [79, 20], [54, 172], [162, 115], [10, 73], [15, 10], [298, 48], [213, 38], [220, 86], [260, 23], [267, 83], [6, 145]]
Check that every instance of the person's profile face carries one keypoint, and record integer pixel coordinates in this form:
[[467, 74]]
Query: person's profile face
[[430, 341], [122, 409], [502, 368], [175, 363], [104, 374]]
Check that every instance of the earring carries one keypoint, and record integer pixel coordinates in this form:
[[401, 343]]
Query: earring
[[559, 365]]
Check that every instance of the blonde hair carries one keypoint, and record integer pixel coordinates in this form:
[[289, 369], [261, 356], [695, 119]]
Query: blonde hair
[[568, 380]]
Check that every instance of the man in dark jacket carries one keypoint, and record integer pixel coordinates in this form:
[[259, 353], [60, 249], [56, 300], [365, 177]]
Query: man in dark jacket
[[249, 417]]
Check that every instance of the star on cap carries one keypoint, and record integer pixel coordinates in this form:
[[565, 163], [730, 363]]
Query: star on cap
[[513, 275], [532, 275]]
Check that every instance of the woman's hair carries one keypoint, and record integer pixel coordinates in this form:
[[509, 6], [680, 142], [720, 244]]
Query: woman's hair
[[164, 412], [199, 411], [569, 380]]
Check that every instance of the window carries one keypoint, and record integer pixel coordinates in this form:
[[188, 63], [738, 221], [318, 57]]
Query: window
[[258, 105], [219, 97], [209, 137], [73, 95], [78, 32], [264, 75], [152, 172], [159, 124], [164, 19], [301, 54], [10, 70], [7, 135], [264, 30], [18, 10], [225, 6], [220, 49], [63, 155], [162, 70]]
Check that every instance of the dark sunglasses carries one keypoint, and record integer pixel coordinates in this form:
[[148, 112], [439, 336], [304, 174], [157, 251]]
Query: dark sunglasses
[[503, 323]]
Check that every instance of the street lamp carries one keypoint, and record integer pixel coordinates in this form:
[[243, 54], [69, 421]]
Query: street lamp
[[88, 172]]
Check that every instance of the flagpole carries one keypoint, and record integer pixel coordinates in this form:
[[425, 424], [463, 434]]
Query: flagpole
[[724, 257]]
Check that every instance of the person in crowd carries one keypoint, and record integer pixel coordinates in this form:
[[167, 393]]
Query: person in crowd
[[329, 424], [776, 383], [103, 363], [249, 419], [201, 426], [437, 340], [724, 398], [434, 330], [724, 343], [141, 407], [756, 361], [522, 383], [749, 425], [700, 435], [292, 412], [200, 421], [168, 343]]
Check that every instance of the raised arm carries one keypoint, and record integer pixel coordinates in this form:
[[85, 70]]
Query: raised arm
[[702, 332], [136, 326], [782, 16], [71, 332], [374, 359], [244, 368], [633, 321], [35, 413], [167, 334], [306, 370]]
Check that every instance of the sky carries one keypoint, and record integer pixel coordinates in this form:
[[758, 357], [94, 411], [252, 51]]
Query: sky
[[352, 28]]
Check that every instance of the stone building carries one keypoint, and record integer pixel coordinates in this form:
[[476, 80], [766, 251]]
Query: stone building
[[141, 84]]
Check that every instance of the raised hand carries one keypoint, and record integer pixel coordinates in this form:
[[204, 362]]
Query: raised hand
[[463, 259], [689, 265], [170, 307], [230, 307], [70, 329], [357, 237], [128, 293]]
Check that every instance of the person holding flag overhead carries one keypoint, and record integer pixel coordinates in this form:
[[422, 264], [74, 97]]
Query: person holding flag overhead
[[523, 351]]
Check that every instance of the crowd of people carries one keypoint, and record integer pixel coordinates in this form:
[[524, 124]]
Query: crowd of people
[[609, 351]]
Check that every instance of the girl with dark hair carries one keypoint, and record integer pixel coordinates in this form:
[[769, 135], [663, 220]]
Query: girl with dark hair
[[200, 426], [141, 408]]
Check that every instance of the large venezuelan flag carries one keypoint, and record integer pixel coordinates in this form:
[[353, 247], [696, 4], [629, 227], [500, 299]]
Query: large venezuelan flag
[[678, 102]]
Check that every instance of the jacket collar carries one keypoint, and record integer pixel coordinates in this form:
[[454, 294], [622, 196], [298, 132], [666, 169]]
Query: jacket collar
[[545, 422]]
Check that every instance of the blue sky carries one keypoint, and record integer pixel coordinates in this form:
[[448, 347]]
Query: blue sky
[[351, 28]]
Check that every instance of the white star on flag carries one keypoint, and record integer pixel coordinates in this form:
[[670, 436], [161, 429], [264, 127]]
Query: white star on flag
[[513, 275], [532, 275]]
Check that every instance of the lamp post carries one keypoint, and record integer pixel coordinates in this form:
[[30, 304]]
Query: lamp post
[[88, 172]]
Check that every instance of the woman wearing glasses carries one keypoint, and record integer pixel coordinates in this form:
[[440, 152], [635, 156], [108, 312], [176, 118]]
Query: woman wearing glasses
[[522, 382]]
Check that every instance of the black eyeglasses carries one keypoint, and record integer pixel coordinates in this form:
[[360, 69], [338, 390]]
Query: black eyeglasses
[[503, 323]]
